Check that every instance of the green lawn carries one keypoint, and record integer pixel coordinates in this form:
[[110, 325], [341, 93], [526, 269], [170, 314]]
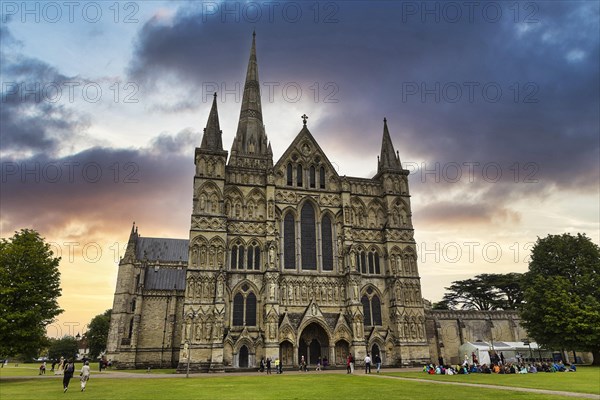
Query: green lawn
[[152, 371], [585, 380], [276, 387]]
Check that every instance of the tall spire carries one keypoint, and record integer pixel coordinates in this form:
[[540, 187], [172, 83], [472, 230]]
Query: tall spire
[[211, 140], [389, 159], [250, 139]]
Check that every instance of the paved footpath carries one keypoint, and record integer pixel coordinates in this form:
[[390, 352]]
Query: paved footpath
[[115, 374]]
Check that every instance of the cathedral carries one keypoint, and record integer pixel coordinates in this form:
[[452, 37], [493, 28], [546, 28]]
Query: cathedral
[[285, 259]]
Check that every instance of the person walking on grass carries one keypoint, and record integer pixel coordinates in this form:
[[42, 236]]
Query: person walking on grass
[[68, 374], [377, 360], [84, 375], [367, 364]]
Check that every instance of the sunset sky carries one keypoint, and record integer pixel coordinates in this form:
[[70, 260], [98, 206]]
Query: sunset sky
[[493, 107]]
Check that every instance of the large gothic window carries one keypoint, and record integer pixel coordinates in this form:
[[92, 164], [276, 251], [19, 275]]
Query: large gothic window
[[251, 309], [312, 177], [244, 307], [366, 310], [376, 310], [289, 242], [327, 243], [238, 310], [371, 308], [308, 237]]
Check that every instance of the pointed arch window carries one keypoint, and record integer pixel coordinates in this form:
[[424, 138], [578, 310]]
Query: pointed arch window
[[238, 310], [234, 257], [240, 257], [371, 308], [327, 243], [251, 309], [322, 178], [289, 242], [244, 308], [299, 172], [290, 178], [368, 263], [308, 237], [312, 177]]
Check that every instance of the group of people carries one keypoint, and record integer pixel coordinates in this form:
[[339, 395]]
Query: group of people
[[368, 362], [498, 366], [266, 365], [66, 368]]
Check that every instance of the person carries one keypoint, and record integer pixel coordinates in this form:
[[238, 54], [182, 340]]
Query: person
[[377, 360], [348, 359], [262, 365], [351, 364], [367, 364], [268, 365], [277, 365], [84, 375], [502, 358], [68, 374], [302, 364], [474, 358], [53, 365], [318, 364]]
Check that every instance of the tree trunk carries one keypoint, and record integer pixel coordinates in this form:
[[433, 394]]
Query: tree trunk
[[596, 354]]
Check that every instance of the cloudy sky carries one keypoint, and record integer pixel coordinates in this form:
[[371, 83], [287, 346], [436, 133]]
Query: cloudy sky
[[493, 107]]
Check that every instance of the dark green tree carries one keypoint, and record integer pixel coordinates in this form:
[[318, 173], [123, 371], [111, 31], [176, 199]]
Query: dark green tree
[[508, 289], [562, 294], [66, 347], [485, 292], [470, 294], [97, 333], [29, 289]]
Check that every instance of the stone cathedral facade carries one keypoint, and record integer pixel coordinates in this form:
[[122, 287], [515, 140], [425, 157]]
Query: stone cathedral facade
[[285, 259]]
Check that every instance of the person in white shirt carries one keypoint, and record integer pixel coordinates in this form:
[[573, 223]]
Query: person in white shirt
[[84, 375], [367, 364]]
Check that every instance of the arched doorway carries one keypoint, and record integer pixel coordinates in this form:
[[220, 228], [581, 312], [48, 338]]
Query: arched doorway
[[375, 351], [342, 348], [314, 343], [286, 353], [243, 357]]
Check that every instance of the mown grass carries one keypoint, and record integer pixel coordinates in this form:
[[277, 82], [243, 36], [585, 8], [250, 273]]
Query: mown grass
[[585, 380], [276, 387]]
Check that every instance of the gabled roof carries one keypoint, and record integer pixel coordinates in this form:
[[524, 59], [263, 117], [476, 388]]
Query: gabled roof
[[303, 135]]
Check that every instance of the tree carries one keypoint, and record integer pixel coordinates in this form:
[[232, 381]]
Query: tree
[[485, 292], [97, 333], [66, 347], [562, 294], [29, 289]]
